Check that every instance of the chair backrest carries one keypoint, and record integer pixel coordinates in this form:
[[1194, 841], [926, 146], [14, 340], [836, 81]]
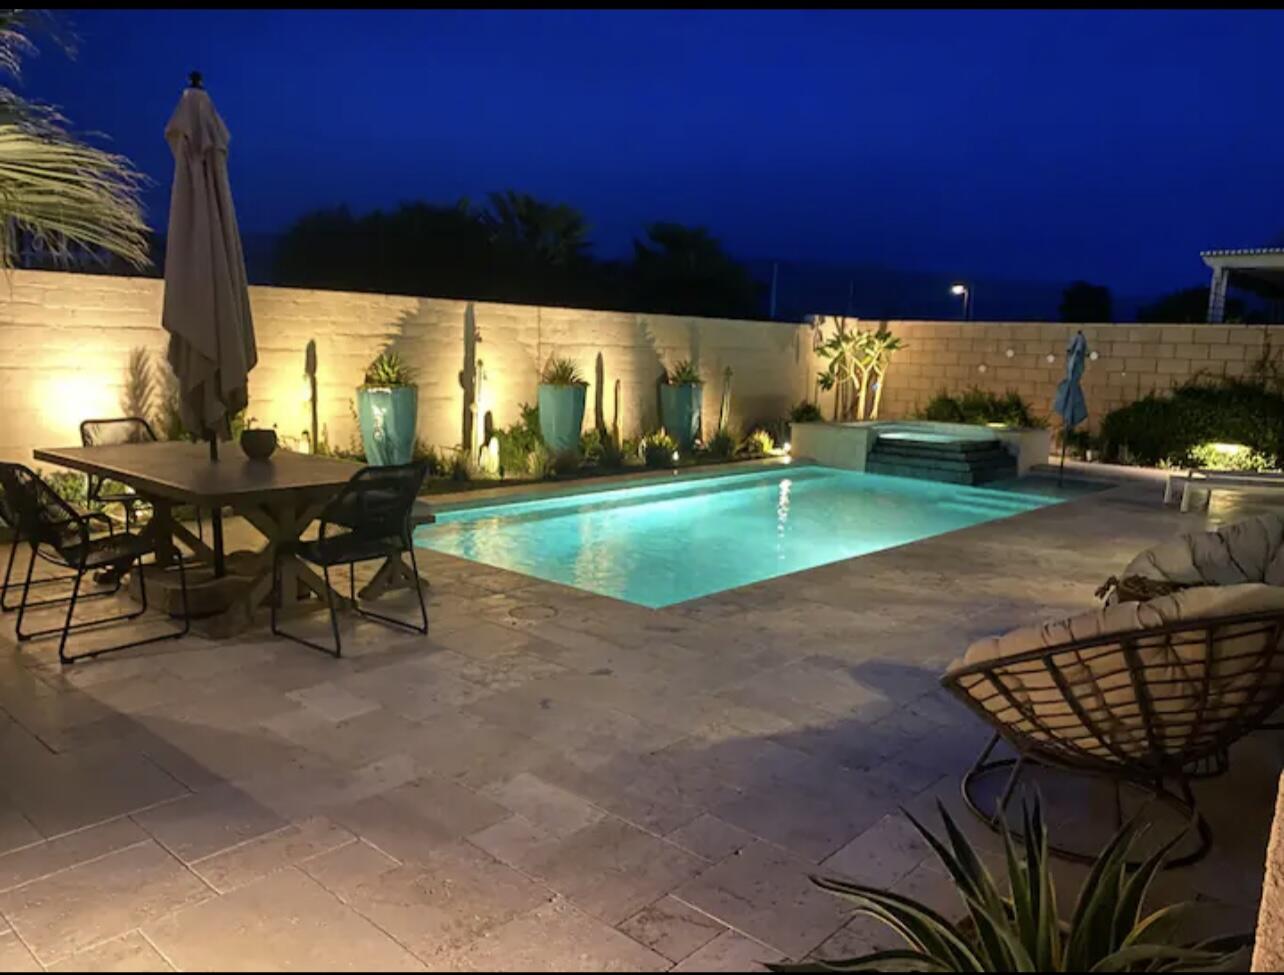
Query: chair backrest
[[119, 430], [43, 517], [377, 501], [1154, 700]]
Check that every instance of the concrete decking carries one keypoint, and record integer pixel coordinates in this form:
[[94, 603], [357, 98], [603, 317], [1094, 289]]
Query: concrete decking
[[551, 780]]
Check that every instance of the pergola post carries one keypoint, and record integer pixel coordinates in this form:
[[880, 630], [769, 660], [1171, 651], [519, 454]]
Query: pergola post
[[1217, 294]]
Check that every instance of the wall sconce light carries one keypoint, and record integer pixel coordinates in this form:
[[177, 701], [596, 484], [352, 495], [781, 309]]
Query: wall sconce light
[[982, 367], [1094, 355], [1009, 352], [1051, 357]]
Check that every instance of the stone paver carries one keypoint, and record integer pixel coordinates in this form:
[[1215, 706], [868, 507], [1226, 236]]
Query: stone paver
[[76, 908], [128, 953], [551, 780], [284, 921], [672, 928]]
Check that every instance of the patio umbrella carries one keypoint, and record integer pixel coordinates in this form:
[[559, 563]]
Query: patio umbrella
[[207, 304], [1069, 401]]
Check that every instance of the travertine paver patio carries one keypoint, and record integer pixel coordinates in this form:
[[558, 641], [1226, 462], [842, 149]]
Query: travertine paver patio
[[551, 780]]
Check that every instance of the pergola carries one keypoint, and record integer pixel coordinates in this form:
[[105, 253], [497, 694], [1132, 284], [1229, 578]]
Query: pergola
[[1257, 269]]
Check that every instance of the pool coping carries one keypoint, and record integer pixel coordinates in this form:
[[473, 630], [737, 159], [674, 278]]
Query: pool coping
[[484, 497]]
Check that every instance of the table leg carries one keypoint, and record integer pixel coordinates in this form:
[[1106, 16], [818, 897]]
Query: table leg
[[284, 522], [162, 526]]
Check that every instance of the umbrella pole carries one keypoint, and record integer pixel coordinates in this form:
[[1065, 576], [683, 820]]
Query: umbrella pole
[[1061, 471], [216, 521]]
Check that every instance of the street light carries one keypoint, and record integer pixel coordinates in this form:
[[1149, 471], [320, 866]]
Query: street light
[[964, 291]]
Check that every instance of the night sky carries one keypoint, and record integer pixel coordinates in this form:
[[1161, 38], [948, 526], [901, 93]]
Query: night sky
[[1044, 145]]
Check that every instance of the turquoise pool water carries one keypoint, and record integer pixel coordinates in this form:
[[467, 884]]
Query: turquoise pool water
[[660, 544]]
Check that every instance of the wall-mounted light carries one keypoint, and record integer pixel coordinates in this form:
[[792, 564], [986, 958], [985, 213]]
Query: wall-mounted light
[[1051, 357], [1009, 352], [1094, 355], [982, 367]]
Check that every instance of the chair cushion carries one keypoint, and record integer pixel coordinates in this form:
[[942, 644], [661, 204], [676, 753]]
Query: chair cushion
[[1086, 701], [1245, 551]]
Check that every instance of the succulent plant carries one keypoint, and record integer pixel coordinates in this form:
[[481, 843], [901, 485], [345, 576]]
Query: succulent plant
[[561, 372], [388, 369]]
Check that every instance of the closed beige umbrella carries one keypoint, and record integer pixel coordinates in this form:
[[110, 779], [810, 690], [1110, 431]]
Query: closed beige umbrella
[[207, 302]]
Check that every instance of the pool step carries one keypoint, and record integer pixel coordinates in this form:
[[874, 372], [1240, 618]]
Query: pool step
[[955, 462]]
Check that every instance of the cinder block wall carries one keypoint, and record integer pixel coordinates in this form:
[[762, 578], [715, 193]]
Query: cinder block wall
[[998, 356], [66, 338], [65, 341]]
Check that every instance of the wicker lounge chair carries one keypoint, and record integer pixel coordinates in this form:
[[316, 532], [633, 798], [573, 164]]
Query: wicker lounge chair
[[1150, 693]]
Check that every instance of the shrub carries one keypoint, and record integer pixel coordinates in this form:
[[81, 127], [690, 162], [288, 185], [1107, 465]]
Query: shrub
[[422, 451], [722, 445], [592, 446], [460, 467], [805, 412], [1170, 429], [978, 406], [658, 449], [561, 372], [518, 443], [757, 444], [389, 369], [683, 373]]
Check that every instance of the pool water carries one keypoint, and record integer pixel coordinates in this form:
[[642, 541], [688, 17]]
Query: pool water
[[660, 544]]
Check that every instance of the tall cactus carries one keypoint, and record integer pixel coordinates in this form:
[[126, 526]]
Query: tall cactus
[[468, 378], [599, 393]]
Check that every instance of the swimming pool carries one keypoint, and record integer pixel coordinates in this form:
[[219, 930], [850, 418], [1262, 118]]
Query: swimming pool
[[660, 544]]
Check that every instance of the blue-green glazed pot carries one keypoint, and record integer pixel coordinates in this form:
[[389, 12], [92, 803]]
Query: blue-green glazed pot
[[387, 415], [561, 416], [680, 412]]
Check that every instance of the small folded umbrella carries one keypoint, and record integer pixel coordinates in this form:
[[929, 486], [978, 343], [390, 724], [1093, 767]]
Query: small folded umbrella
[[1069, 402], [207, 302]]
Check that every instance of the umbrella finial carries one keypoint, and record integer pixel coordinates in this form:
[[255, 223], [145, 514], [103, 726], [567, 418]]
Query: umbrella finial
[[195, 80]]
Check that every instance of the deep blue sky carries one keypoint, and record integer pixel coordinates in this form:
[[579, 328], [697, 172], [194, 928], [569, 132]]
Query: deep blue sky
[[1048, 145]]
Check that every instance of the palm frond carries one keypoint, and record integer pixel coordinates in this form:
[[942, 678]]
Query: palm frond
[[60, 191]]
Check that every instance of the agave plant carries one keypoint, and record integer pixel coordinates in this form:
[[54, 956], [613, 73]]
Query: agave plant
[[759, 443], [388, 369], [58, 193], [561, 372], [1022, 931], [683, 373], [658, 449]]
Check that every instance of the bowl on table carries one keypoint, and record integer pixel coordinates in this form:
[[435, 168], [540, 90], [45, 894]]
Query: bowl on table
[[258, 444]]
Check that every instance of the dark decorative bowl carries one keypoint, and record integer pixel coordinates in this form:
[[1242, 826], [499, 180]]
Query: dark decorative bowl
[[258, 444]]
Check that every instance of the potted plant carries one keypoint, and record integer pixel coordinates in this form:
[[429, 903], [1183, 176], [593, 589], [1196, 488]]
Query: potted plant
[[387, 406], [680, 396], [562, 392]]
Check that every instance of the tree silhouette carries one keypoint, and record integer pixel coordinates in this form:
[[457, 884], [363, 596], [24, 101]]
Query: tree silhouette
[[518, 249], [684, 270], [1084, 302]]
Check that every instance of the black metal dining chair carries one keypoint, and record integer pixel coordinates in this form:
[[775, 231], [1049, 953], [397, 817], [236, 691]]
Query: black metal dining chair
[[375, 508], [118, 430], [9, 518], [57, 533]]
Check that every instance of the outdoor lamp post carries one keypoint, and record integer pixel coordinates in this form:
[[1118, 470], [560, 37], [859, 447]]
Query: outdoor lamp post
[[964, 291]]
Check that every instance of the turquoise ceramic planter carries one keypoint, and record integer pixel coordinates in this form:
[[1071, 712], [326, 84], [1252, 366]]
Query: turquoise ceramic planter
[[680, 412], [561, 416], [387, 415]]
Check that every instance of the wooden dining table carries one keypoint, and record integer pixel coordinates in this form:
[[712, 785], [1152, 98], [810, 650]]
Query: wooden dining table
[[279, 496]]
